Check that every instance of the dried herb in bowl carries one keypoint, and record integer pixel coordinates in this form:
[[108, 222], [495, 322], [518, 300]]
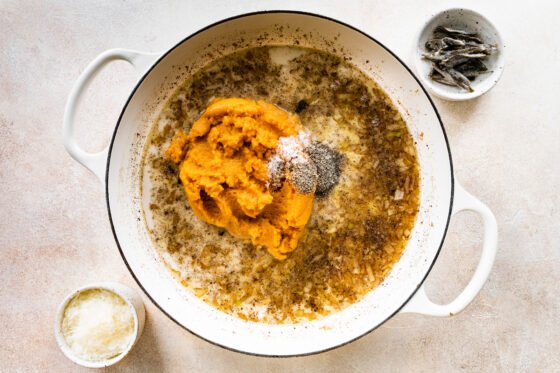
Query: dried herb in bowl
[[457, 56]]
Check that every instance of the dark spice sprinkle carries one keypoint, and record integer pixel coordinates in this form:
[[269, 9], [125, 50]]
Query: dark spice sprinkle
[[276, 168], [304, 177], [318, 173], [329, 166], [301, 106], [170, 169]]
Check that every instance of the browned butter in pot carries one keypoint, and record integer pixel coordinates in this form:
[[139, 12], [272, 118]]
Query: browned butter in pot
[[356, 232]]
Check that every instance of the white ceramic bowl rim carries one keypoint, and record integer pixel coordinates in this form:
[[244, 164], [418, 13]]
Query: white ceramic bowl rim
[[62, 341], [133, 92]]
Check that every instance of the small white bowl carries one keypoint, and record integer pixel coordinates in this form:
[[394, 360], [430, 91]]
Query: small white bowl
[[466, 20], [129, 296]]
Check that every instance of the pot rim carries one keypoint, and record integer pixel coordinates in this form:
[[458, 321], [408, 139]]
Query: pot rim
[[225, 20]]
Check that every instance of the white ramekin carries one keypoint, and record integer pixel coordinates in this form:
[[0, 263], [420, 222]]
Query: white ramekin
[[129, 296], [472, 21]]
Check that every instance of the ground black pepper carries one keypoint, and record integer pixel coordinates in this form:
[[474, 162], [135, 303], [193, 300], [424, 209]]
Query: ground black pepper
[[329, 166]]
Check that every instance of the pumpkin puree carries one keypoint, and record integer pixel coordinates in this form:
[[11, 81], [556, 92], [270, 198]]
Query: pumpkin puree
[[224, 170]]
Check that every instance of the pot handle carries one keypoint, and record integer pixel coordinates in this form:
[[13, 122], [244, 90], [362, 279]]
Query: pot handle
[[96, 162], [420, 303]]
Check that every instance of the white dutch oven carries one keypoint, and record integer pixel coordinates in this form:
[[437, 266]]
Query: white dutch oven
[[118, 167]]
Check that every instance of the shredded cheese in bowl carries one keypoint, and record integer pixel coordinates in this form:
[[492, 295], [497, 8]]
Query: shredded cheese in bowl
[[97, 325]]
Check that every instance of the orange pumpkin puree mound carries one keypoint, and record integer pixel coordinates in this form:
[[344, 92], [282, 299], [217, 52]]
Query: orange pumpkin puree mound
[[224, 170]]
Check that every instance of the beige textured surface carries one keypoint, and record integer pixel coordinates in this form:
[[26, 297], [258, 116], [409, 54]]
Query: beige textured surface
[[55, 236]]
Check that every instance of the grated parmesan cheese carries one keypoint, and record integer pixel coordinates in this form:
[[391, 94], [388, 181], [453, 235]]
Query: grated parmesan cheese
[[97, 324]]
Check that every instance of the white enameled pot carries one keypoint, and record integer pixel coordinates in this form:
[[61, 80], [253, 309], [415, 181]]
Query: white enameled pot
[[118, 167]]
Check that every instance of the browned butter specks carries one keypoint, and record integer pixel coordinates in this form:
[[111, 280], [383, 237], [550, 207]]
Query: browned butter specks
[[357, 231]]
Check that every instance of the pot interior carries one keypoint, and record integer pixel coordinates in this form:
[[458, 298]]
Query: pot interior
[[125, 200]]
